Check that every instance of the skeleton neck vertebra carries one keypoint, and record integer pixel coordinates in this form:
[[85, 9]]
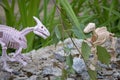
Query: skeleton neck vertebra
[[27, 30]]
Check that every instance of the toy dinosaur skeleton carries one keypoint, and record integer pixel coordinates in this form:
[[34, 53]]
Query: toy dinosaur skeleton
[[100, 36], [12, 38]]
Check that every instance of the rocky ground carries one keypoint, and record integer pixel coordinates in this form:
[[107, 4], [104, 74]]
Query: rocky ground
[[47, 64]]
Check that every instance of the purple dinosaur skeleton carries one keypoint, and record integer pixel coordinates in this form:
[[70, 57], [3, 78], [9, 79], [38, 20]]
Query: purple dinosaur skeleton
[[12, 38]]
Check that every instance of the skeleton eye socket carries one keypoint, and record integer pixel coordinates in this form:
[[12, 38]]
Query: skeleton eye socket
[[41, 26], [20, 39]]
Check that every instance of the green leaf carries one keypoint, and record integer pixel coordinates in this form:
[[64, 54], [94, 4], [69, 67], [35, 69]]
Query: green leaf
[[32, 10], [71, 15], [103, 55], [57, 33], [69, 60], [9, 12], [45, 10], [23, 12], [92, 74], [57, 78], [64, 74], [85, 50]]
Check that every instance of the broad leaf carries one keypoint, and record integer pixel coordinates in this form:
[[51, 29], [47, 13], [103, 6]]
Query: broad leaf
[[92, 74], [69, 60], [85, 50], [103, 55]]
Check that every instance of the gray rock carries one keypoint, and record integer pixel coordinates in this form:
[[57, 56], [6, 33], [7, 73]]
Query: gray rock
[[79, 65], [118, 46], [51, 71], [30, 68], [59, 57], [21, 78], [107, 73], [85, 75], [4, 75], [102, 65], [116, 75], [70, 79], [69, 43], [33, 77]]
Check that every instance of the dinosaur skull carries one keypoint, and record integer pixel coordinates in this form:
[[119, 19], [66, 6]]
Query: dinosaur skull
[[40, 29], [90, 27]]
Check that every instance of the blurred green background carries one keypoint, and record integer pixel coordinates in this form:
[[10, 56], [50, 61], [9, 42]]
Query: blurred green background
[[63, 18]]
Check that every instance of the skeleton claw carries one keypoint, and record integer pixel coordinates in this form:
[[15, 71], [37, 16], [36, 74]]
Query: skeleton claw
[[20, 58], [23, 57], [8, 69]]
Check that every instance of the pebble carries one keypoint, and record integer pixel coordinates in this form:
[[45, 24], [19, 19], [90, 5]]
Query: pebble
[[85, 75], [59, 57], [69, 43], [118, 46], [52, 71], [21, 78], [33, 77], [79, 65], [116, 75]]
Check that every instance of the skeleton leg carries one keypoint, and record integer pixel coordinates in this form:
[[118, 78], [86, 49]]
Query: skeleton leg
[[5, 57], [19, 57], [112, 49]]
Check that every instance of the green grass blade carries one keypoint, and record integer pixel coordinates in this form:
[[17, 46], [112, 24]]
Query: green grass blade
[[23, 12], [9, 12], [45, 10], [33, 9], [72, 16], [113, 11]]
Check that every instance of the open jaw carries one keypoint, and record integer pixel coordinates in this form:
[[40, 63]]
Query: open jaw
[[42, 34], [45, 35]]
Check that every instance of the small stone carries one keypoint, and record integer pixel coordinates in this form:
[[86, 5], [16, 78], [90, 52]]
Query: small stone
[[60, 52], [21, 78], [117, 46], [16, 72], [30, 68], [33, 77], [107, 72], [79, 65], [116, 75], [4, 75], [52, 71], [85, 76], [92, 67], [74, 52], [100, 77], [69, 43], [102, 65], [59, 57], [70, 79]]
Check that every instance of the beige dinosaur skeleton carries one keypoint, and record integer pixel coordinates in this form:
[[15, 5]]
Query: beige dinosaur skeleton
[[100, 36]]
